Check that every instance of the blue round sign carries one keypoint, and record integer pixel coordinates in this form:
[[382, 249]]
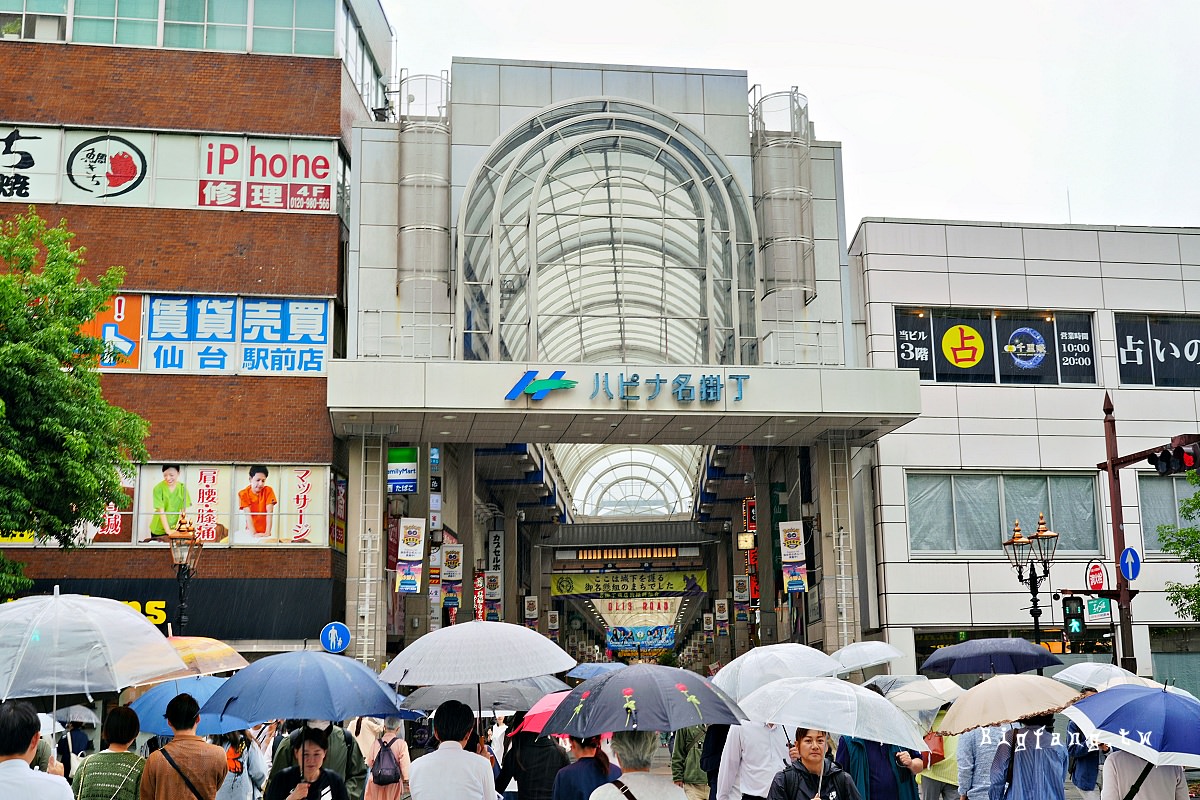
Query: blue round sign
[[335, 637], [1131, 564]]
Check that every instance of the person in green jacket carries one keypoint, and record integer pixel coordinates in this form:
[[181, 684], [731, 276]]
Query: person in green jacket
[[685, 762], [344, 757]]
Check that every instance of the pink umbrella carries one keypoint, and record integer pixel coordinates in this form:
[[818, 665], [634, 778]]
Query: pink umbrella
[[536, 716]]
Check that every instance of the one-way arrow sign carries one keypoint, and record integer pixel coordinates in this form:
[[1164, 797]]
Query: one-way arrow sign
[[1131, 564]]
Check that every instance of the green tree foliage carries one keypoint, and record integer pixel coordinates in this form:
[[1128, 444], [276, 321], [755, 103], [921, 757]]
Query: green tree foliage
[[12, 577], [63, 447], [1185, 543]]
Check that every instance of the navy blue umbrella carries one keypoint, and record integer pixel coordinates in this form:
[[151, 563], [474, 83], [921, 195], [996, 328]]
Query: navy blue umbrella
[[990, 656], [304, 684]]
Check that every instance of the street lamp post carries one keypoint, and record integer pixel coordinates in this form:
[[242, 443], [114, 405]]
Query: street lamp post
[[1028, 554], [185, 554]]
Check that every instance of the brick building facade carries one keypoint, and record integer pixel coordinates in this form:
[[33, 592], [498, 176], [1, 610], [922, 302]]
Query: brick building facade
[[157, 102]]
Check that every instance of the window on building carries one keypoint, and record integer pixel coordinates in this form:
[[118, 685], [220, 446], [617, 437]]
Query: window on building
[[302, 27], [1159, 499], [205, 24], [43, 20], [974, 512], [133, 22]]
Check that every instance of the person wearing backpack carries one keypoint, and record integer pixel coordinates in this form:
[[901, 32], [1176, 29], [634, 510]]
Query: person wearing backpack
[[389, 763], [247, 767]]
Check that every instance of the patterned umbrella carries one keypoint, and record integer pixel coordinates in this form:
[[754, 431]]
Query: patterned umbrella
[[205, 656], [647, 697]]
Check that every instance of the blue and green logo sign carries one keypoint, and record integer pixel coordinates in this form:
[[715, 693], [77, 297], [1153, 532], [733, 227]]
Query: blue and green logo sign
[[537, 388]]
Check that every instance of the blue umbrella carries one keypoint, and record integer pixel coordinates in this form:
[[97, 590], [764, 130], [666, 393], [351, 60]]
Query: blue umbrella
[[304, 684], [990, 656], [591, 670], [1157, 725], [151, 707]]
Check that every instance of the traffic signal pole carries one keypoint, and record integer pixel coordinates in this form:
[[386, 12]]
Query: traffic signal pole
[[1112, 465]]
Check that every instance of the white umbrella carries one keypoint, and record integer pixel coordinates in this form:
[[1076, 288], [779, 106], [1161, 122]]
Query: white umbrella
[[833, 705], [1095, 675], [761, 665], [861, 655], [476, 652], [61, 644]]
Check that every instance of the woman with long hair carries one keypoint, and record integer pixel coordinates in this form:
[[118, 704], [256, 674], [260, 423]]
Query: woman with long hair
[[590, 770]]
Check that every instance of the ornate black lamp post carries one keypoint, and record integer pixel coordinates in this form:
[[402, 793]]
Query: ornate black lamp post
[[185, 554], [1028, 554]]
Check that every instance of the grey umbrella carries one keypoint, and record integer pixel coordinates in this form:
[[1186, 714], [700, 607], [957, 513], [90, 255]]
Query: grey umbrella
[[486, 699]]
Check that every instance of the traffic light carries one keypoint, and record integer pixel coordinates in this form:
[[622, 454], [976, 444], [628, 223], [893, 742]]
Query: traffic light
[[1175, 460], [1073, 617]]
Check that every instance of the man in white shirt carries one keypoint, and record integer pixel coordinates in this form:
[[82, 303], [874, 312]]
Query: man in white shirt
[[20, 731], [1122, 769], [753, 753], [451, 773]]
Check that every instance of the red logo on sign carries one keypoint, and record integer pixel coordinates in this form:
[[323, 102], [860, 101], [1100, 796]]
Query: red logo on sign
[[1095, 577]]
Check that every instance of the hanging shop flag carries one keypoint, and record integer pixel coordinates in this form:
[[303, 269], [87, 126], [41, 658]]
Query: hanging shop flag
[[452, 575], [795, 577], [409, 555], [791, 541]]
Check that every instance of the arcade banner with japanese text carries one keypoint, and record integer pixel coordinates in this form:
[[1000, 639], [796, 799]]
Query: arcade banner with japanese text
[[630, 584]]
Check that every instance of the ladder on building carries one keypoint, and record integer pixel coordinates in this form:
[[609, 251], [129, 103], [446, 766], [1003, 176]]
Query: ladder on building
[[838, 458], [370, 517]]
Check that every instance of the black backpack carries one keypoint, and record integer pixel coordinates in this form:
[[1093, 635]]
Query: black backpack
[[386, 770]]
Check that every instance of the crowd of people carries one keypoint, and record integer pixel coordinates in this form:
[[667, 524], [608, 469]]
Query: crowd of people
[[369, 760]]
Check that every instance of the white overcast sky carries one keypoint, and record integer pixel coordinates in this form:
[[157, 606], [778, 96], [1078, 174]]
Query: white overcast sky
[[957, 110]]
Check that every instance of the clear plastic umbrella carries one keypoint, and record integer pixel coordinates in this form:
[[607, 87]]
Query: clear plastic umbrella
[[861, 655], [62, 644], [1094, 674], [761, 665], [834, 705], [77, 713]]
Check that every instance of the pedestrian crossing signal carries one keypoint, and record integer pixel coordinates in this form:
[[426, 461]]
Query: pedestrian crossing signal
[[1073, 617]]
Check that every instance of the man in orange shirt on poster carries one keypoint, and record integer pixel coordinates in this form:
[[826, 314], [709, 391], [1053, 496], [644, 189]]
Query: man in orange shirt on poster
[[257, 501]]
